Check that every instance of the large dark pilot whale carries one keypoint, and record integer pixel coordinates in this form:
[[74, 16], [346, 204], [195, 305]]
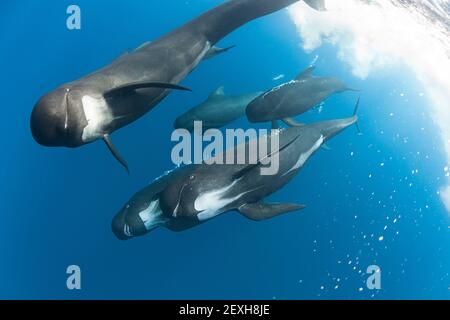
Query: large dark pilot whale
[[294, 98], [192, 195], [93, 107]]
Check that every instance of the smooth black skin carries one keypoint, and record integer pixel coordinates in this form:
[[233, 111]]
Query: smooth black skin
[[178, 190], [129, 214], [58, 119], [293, 98]]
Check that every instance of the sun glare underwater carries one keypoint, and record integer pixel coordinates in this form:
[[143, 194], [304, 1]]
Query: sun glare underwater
[[367, 209]]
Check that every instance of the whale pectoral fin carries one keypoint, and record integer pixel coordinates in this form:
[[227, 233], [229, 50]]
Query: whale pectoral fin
[[305, 74], [316, 4], [292, 123], [131, 87], [263, 211], [215, 51], [114, 152]]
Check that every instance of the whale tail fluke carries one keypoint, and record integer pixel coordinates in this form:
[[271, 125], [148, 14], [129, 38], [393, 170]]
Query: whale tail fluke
[[262, 211], [355, 115], [355, 111]]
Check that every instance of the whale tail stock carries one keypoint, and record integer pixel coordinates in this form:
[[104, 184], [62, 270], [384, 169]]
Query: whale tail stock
[[224, 19]]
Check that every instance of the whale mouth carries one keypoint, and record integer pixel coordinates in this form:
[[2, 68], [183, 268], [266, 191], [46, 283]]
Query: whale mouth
[[66, 118], [127, 231]]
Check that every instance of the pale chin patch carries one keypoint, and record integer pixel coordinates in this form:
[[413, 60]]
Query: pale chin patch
[[98, 116], [152, 215]]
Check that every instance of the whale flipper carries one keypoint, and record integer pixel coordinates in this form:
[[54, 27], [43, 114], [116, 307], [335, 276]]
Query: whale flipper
[[262, 211], [131, 87], [114, 151], [308, 73], [215, 51], [292, 123], [316, 4]]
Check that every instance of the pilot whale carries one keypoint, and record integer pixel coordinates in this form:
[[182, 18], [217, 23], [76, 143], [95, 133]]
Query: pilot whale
[[294, 98], [217, 111], [93, 107], [192, 195]]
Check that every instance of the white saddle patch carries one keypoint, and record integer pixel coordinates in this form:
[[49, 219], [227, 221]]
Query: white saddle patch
[[212, 203]]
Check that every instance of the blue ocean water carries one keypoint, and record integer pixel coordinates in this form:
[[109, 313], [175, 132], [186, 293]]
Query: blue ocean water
[[371, 199]]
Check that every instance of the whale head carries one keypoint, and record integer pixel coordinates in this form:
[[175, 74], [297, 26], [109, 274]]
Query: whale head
[[56, 118], [177, 198], [261, 108], [139, 216], [185, 121]]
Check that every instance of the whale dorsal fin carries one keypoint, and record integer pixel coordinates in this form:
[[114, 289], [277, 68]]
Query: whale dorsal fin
[[308, 73], [219, 92], [261, 211]]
